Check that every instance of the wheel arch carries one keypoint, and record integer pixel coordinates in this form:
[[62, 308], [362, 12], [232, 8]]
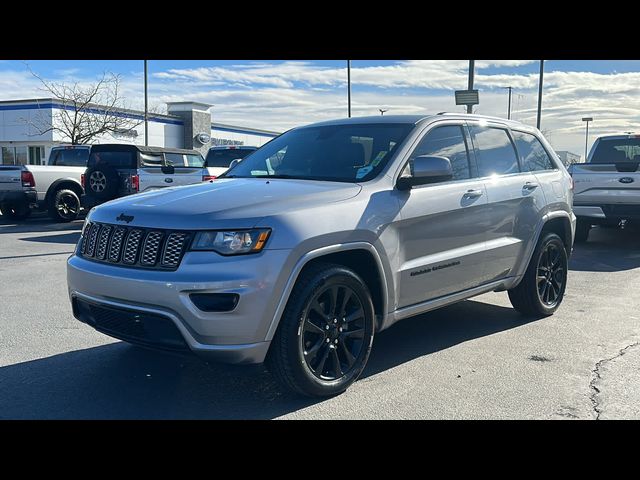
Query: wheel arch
[[361, 257], [558, 222], [63, 183]]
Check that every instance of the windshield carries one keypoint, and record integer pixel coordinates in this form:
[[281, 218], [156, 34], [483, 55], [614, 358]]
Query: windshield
[[341, 153], [222, 158], [617, 150]]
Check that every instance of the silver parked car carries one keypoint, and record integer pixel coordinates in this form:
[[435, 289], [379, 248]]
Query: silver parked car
[[326, 235]]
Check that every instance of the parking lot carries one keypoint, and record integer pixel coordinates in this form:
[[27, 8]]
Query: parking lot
[[474, 360]]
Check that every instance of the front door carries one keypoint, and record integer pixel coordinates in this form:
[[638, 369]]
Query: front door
[[441, 232]]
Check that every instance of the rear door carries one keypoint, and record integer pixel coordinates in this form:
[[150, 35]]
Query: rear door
[[514, 199]]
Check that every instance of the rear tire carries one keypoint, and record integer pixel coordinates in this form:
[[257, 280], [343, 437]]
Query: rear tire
[[64, 205], [13, 211], [583, 227], [540, 292], [325, 334]]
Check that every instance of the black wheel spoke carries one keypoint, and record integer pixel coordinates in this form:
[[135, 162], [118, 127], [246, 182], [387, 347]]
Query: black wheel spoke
[[309, 326], [348, 356], [345, 299], [333, 301], [312, 353], [337, 368], [355, 315], [358, 333], [323, 359], [316, 307]]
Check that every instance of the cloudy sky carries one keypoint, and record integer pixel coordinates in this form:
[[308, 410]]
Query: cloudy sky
[[277, 95]]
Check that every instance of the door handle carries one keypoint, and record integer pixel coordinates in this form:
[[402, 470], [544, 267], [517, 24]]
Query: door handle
[[530, 186], [473, 193]]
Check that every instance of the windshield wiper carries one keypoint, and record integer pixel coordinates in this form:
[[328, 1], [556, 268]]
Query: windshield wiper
[[280, 176]]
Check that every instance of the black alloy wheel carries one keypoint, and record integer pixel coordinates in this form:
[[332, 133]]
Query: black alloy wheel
[[551, 275], [333, 332]]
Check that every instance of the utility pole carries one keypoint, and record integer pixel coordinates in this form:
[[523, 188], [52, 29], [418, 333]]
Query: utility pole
[[472, 65], [146, 108], [586, 137], [349, 85], [509, 107], [540, 94]]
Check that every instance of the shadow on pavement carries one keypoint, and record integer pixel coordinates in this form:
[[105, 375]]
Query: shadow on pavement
[[607, 250], [118, 381], [438, 330], [38, 222], [71, 238]]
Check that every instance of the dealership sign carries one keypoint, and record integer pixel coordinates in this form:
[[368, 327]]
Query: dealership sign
[[467, 97]]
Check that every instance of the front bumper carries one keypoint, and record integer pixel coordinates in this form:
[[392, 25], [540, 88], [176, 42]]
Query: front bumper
[[237, 336], [21, 197]]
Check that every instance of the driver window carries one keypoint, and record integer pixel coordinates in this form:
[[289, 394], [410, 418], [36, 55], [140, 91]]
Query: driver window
[[446, 141]]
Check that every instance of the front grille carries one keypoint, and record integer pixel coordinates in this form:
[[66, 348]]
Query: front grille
[[130, 325], [134, 246]]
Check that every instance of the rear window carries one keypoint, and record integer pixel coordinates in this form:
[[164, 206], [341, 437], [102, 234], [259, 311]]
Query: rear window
[[495, 153], [182, 160], [70, 157], [222, 158], [124, 159], [617, 151]]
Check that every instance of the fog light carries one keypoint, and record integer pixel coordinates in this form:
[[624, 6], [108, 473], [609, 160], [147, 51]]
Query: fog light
[[215, 302]]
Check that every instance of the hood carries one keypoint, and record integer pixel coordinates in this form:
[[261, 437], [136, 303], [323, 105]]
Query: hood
[[224, 203]]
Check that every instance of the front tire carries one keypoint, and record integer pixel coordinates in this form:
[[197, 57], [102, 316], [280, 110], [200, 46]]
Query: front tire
[[14, 211], [541, 291], [64, 206], [325, 334]]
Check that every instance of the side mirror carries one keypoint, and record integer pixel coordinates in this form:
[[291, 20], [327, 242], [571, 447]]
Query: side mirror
[[234, 162], [426, 169]]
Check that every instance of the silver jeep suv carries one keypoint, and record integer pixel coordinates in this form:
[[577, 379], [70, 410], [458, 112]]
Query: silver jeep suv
[[326, 235]]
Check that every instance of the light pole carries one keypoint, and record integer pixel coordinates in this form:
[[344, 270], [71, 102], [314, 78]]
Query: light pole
[[586, 137], [146, 109], [509, 107], [382, 111], [349, 85], [472, 65], [540, 94]]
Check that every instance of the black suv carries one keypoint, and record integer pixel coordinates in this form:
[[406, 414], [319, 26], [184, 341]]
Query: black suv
[[116, 170]]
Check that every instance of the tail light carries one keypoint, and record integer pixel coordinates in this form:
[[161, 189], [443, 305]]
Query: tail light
[[27, 179], [208, 178], [82, 180], [135, 182]]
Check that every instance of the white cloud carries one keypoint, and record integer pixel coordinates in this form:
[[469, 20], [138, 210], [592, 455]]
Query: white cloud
[[279, 95]]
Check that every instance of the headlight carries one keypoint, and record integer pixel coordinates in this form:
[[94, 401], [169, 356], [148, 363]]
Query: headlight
[[234, 242]]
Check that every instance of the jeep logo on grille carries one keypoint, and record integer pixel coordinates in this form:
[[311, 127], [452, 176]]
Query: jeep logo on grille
[[124, 218], [626, 180]]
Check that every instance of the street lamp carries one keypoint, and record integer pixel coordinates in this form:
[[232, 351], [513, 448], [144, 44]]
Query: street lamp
[[382, 111], [586, 138]]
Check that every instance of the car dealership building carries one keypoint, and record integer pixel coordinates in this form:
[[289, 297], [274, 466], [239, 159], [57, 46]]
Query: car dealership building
[[186, 125]]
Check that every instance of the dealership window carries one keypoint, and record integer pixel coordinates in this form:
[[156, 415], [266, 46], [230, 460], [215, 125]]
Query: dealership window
[[36, 155], [8, 156]]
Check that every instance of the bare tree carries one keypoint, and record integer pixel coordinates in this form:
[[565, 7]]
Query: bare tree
[[85, 110]]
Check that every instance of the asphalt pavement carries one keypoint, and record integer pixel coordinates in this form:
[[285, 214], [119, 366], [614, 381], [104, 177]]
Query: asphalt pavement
[[478, 359]]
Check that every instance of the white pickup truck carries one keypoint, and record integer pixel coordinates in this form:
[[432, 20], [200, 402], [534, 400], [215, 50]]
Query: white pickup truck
[[55, 187], [607, 186]]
